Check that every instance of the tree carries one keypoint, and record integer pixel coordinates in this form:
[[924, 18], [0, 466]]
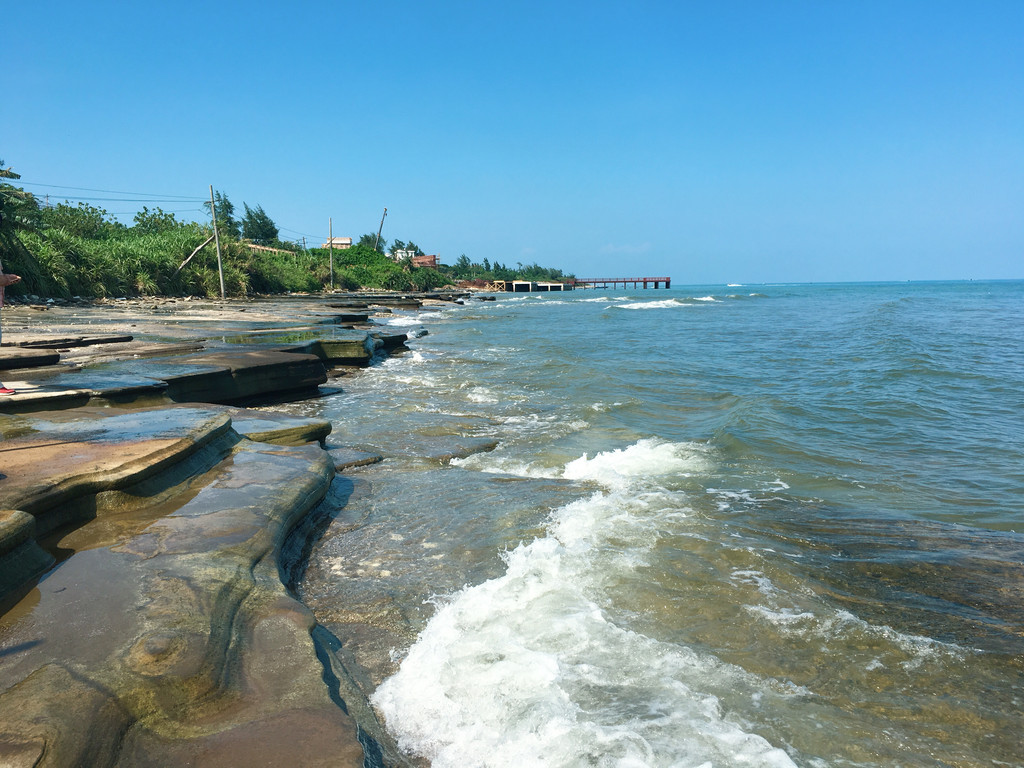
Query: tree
[[258, 227], [82, 220], [19, 216], [149, 222], [226, 223], [19, 210], [369, 241], [397, 246]]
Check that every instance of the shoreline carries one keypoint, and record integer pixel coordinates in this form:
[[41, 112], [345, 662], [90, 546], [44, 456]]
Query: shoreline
[[169, 484]]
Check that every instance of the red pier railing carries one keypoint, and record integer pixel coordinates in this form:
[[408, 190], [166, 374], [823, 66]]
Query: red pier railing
[[606, 282]]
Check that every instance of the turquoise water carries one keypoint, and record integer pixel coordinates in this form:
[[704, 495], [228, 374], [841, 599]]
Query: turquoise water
[[723, 525]]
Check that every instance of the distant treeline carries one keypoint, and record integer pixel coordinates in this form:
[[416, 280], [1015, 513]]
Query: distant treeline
[[79, 250], [464, 269]]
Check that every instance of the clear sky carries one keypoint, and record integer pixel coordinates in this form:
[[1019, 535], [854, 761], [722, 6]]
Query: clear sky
[[712, 141]]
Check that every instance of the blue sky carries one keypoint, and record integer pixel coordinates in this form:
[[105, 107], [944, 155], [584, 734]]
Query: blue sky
[[709, 141]]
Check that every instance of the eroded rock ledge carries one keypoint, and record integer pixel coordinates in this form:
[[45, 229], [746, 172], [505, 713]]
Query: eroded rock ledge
[[167, 636], [146, 551]]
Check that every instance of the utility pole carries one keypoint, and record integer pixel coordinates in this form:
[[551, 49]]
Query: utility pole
[[216, 237], [330, 242], [380, 229]]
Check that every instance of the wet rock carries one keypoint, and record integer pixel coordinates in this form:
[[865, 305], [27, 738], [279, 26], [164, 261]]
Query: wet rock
[[192, 651], [17, 357], [278, 428], [460, 448], [391, 341], [347, 458], [21, 558]]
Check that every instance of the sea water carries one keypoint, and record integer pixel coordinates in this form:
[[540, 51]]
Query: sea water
[[764, 525]]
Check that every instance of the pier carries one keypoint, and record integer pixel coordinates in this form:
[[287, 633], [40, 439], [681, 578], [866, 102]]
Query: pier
[[611, 282], [529, 286]]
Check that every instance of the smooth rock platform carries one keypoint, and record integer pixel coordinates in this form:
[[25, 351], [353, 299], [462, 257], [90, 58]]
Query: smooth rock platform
[[150, 534], [168, 628]]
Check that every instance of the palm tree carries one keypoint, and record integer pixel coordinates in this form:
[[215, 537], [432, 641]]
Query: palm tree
[[18, 208], [19, 212]]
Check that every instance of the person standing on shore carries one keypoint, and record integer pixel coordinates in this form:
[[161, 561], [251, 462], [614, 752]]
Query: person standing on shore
[[5, 280]]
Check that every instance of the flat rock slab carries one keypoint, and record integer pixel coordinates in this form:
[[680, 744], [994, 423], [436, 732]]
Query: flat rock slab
[[131, 350], [391, 341], [18, 357], [73, 388], [256, 373], [278, 428], [233, 376], [444, 450], [49, 461], [238, 375], [348, 458], [178, 644], [59, 342], [338, 347], [52, 461]]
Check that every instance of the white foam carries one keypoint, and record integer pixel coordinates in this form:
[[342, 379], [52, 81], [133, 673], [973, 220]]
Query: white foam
[[503, 465], [481, 395], [755, 578], [404, 320], [842, 627], [664, 304], [526, 669], [645, 459], [529, 669]]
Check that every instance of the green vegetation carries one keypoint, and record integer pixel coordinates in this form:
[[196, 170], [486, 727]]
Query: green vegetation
[[70, 250], [362, 267], [464, 269]]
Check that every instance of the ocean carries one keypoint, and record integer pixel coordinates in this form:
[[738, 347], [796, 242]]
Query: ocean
[[743, 525]]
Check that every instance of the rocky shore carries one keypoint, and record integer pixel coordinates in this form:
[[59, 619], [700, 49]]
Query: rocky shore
[[153, 525]]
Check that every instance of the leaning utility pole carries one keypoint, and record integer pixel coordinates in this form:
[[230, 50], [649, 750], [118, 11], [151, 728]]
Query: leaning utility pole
[[330, 242], [380, 229], [216, 237]]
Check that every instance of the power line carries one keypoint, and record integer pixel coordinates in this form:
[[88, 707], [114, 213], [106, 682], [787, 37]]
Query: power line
[[125, 199], [139, 197], [179, 210], [296, 232], [178, 198]]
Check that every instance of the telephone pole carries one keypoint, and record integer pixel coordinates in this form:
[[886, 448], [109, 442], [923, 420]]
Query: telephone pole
[[330, 242], [216, 237], [380, 229]]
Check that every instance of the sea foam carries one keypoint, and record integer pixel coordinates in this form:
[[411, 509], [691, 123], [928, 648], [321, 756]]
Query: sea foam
[[530, 669]]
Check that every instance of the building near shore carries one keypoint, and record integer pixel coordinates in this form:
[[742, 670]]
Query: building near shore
[[530, 286], [416, 259], [338, 243]]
